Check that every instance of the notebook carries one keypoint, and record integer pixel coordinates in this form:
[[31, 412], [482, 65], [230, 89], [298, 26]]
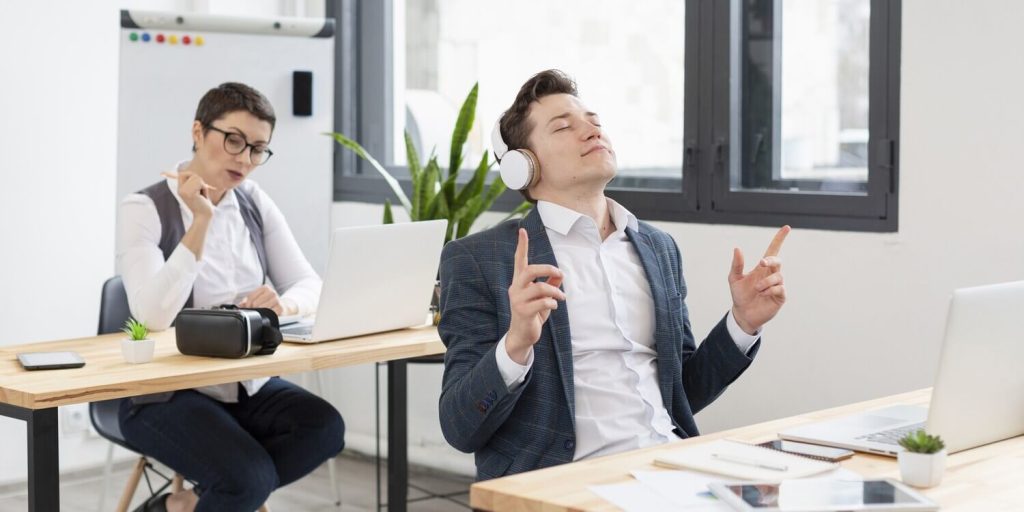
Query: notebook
[[744, 461]]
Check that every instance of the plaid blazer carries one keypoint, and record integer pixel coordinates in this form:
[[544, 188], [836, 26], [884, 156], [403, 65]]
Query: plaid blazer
[[533, 427]]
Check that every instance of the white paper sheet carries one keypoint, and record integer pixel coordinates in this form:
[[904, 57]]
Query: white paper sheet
[[666, 491], [634, 497], [687, 490]]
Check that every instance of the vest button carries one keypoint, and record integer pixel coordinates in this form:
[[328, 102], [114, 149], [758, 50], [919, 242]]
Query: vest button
[[569, 444]]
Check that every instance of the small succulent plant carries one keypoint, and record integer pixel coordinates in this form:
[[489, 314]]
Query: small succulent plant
[[135, 329], [921, 442]]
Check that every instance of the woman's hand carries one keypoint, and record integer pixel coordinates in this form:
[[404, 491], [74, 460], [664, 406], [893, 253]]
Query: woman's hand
[[265, 297], [194, 192]]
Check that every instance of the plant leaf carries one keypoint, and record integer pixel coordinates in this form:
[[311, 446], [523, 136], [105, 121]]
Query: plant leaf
[[448, 190], [412, 156], [391, 181], [461, 133], [428, 187], [135, 330], [388, 218], [416, 176], [442, 211], [476, 183]]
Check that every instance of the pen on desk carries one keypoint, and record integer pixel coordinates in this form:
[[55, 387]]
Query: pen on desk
[[750, 462]]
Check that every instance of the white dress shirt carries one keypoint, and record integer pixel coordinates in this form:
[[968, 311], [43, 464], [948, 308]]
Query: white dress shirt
[[228, 271], [618, 405]]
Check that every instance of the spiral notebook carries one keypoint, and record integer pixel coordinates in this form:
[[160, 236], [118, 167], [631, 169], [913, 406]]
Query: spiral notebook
[[744, 461]]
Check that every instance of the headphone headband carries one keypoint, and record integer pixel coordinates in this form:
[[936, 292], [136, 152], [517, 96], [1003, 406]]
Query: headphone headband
[[497, 142]]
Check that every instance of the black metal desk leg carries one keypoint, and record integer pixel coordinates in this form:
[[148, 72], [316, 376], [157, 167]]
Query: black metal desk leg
[[398, 461], [43, 462]]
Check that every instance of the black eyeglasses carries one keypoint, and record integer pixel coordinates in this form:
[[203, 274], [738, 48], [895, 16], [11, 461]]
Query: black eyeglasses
[[235, 144]]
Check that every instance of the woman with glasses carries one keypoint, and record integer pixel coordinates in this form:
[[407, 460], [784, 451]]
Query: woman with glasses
[[203, 236]]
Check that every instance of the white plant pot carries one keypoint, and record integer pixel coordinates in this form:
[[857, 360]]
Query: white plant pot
[[137, 351], [922, 469]]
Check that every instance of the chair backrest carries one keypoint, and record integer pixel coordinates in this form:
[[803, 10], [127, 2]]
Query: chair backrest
[[113, 313], [113, 306]]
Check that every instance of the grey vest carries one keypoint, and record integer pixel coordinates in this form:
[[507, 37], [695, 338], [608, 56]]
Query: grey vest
[[172, 229]]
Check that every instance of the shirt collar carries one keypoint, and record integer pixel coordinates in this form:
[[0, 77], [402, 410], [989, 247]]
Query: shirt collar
[[562, 220], [622, 217]]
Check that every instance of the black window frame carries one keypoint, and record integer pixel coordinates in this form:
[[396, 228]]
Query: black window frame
[[364, 77]]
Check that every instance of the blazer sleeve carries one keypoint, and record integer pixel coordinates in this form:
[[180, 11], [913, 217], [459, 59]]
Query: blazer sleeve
[[708, 369], [475, 402]]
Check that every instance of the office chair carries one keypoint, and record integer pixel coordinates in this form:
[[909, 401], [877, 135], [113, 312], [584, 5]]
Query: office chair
[[113, 313]]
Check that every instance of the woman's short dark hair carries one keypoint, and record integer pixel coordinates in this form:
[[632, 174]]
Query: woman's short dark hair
[[230, 97], [515, 122]]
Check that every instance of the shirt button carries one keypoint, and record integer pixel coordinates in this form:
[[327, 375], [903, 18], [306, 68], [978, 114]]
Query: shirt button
[[569, 444]]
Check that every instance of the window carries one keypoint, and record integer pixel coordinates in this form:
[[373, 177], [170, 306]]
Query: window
[[725, 111], [450, 44]]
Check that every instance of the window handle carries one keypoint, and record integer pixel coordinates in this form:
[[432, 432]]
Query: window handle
[[690, 154], [719, 150]]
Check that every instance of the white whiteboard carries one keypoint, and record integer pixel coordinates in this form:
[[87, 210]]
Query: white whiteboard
[[160, 87]]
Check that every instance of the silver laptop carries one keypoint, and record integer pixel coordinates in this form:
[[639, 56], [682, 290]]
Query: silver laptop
[[379, 278], [978, 396]]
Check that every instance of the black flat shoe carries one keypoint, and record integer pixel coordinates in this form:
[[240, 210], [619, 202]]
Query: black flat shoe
[[154, 504]]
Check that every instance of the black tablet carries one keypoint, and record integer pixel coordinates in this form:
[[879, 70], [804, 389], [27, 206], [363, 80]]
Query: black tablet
[[50, 360]]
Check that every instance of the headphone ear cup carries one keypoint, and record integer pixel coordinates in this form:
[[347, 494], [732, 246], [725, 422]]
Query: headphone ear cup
[[519, 169], [535, 164]]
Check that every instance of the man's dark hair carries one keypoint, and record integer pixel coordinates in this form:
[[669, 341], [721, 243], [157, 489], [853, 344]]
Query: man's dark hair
[[230, 97], [515, 122]]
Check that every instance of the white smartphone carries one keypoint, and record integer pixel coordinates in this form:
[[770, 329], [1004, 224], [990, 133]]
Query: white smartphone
[[50, 360]]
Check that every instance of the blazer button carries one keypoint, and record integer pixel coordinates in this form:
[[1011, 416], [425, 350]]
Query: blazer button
[[569, 444]]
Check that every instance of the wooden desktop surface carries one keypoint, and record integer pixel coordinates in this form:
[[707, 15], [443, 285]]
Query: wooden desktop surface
[[987, 478], [106, 375]]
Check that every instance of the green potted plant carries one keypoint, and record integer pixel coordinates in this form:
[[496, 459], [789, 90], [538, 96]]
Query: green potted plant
[[923, 460], [138, 347], [436, 193]]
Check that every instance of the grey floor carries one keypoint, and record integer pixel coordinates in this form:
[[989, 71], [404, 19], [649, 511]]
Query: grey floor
[[80, 492]]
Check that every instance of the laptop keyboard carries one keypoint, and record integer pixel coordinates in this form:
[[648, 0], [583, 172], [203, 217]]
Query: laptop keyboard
[[298, 330], [892, 436]]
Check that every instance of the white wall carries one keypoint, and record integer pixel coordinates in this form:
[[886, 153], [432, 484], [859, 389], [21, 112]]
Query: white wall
[[865, 312]]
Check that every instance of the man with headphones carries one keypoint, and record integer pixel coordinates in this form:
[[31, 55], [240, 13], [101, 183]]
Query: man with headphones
[[567, 331]]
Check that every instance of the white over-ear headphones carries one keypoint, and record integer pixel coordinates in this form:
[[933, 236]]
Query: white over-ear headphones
[[519, 168]]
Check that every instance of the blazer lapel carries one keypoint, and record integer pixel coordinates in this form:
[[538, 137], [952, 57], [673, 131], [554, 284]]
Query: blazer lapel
[[557, 325], [662, 313]]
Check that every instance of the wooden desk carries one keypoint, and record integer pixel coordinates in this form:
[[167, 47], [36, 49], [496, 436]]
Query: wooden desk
[[33, 396], [989, 478]]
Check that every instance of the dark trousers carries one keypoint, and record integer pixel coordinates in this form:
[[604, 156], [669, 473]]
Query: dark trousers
[[237, 453]]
